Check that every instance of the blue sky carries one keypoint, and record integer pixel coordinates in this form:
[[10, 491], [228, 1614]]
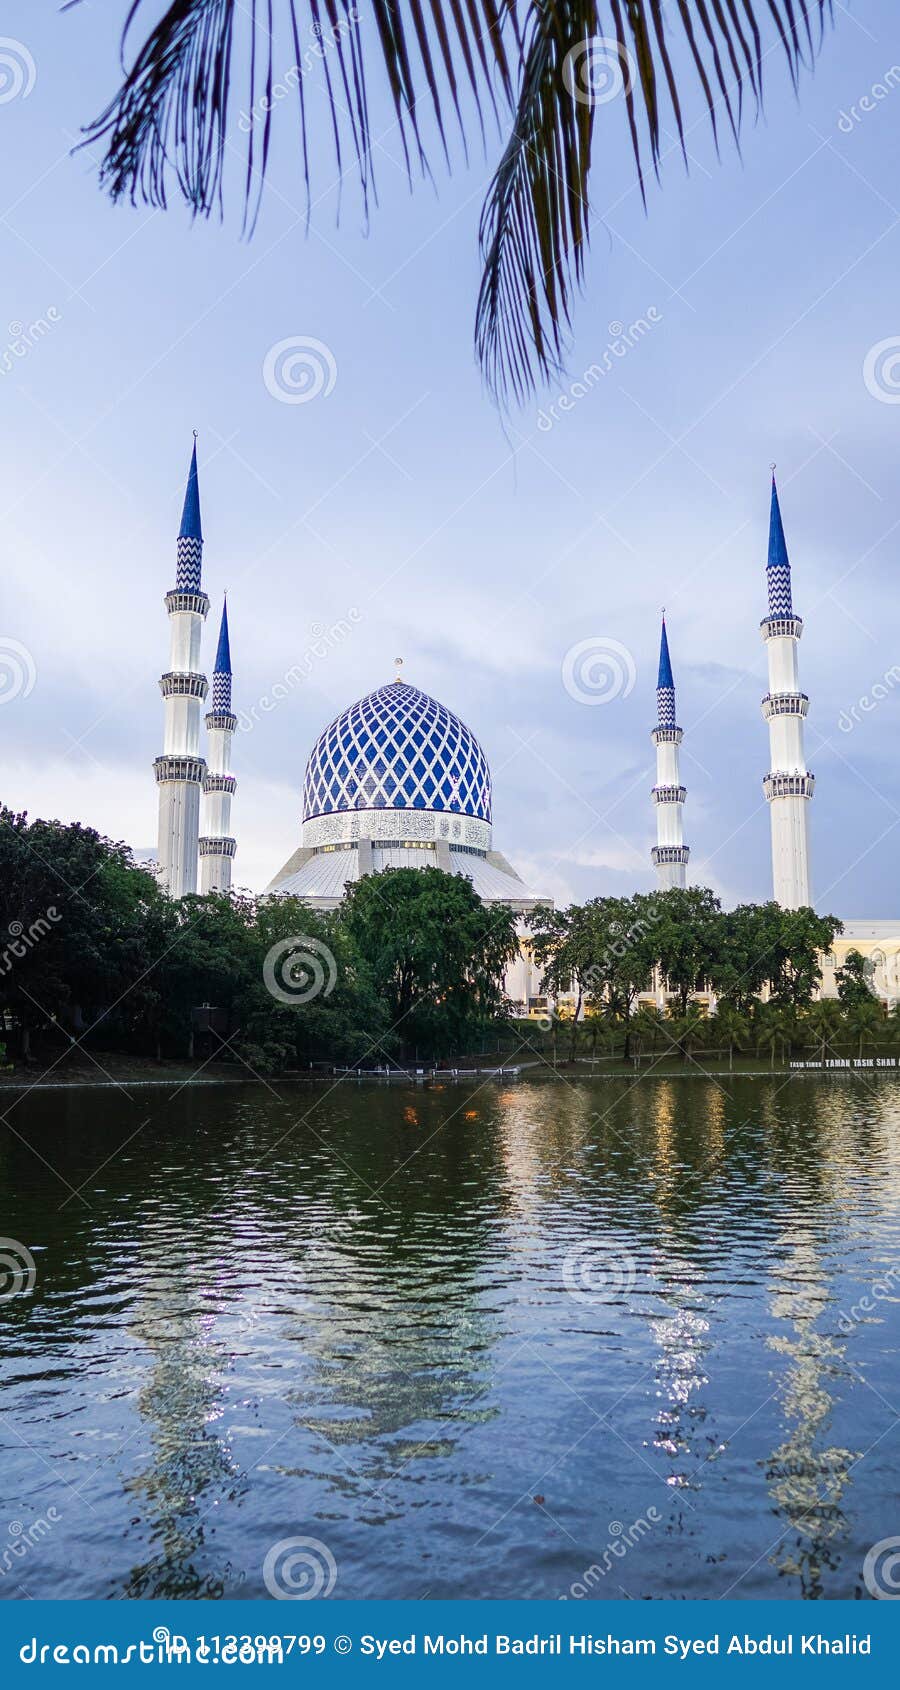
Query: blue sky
[[397, 502]]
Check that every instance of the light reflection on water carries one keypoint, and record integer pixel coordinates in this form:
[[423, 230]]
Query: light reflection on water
[[356, 1326]]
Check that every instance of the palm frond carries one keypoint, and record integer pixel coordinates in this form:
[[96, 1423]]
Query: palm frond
[[580, 58], [173, 118]]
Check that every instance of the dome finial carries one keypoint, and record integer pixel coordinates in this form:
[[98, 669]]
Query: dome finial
[[398, 665]]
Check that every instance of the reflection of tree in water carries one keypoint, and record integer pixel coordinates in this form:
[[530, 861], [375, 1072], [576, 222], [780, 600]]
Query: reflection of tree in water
[[183, 1399], [807, 1482], [397, 1343]]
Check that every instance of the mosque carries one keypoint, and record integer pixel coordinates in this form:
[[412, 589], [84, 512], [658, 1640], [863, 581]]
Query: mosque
[[397, 780]]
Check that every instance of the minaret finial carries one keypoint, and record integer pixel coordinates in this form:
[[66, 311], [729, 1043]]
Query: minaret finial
[[778, 569], [190, 534]]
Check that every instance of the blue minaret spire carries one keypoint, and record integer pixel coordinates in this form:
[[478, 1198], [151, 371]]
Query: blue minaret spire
[[778, 569], [190, 534], [665, 684], [221, 693]]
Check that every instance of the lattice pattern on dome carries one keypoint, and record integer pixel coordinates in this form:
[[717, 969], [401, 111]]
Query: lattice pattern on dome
[[397, 749]]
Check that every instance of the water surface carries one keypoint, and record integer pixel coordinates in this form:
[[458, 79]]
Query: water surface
[[535, 1341]]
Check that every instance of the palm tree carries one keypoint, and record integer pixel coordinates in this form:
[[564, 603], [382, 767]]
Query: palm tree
[[825, 1020], [866, 1021], [767, 1029], [649, 1027], [541, 69], [731, 1027]]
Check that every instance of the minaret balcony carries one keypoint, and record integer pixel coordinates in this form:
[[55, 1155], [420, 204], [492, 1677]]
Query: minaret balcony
[[667, 736], [219, 783], [670, 854], [217, 847], [223, 719], [188, 769], [177, 684], [781, 627], [669, 794], [784, 704], [180, 599], [779, 785]]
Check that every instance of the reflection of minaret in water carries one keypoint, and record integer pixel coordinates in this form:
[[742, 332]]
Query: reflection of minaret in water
[[180, 769], [670, 854], [789, 785], [217, 847], [807, 1482]]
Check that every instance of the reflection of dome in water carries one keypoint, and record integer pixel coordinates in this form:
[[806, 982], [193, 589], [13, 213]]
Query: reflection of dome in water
[[397, 781], [397, 749]]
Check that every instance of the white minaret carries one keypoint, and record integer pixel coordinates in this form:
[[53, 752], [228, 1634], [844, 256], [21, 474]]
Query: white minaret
[[670, 854], [216, 844], [789, 785], [180, 769]]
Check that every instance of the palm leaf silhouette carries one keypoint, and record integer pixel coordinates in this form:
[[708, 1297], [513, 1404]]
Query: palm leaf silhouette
[[531, 64]]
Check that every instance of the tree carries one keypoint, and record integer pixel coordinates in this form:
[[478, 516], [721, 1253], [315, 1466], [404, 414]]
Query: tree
[[767, 1029], [603, 950], [310, 995], [799, 939], [436, 954], [542, 68], [649, 1027], [825, 1019], [730, 1027], [80, 921], [854, 980], [866, 1020], [561, 943], [688, 939]]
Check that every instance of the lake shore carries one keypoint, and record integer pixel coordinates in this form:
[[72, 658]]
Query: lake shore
[[109, 1072]]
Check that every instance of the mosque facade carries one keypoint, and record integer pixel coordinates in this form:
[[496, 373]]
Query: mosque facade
[[398, 780]]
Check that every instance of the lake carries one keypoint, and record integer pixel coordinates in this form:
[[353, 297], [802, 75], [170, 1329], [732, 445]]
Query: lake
[[594, 1340]]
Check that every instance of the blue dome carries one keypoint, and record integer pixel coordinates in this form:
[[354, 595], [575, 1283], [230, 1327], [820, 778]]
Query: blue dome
[[397, 749]]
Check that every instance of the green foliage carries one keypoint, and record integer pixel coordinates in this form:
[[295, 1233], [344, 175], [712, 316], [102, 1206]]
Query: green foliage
[[853, 980], [436, 954], [92, 952], [412, 960]]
